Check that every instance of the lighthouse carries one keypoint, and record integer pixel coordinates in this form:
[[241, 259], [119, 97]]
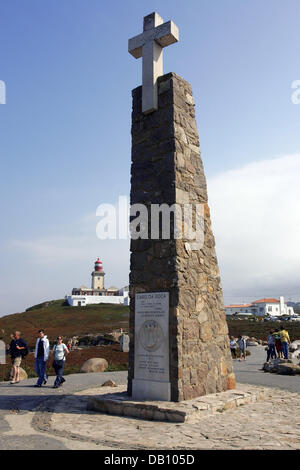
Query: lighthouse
[[98, 276], [97, 294]]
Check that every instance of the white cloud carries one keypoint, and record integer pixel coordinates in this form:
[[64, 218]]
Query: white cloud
[[255, 211]]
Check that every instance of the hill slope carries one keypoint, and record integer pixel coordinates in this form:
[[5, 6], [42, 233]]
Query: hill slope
[[60, 319]]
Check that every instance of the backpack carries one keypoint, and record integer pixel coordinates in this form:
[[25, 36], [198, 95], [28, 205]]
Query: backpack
[[25, 351]]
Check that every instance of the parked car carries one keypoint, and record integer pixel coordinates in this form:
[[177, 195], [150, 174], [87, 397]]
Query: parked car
[[295, 318]]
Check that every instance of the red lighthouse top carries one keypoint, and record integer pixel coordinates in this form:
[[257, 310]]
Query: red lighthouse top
[[98, 265]]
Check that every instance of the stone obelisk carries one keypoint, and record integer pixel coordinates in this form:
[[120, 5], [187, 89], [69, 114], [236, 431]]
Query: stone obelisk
[[179, 346]]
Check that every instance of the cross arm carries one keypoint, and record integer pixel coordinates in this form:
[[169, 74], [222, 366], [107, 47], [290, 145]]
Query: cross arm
[[164, 35]]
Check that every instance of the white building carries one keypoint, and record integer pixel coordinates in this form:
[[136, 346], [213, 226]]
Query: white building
[[97, 294], [261, 308]]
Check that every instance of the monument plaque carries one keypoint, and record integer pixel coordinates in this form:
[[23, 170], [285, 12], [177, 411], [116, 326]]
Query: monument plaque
[[151, 356]]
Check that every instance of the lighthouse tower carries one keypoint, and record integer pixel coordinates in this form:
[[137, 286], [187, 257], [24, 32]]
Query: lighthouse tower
[[98, 276]]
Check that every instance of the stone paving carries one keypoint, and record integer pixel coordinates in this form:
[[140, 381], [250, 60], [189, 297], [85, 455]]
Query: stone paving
[[58, 419], [270, 424]]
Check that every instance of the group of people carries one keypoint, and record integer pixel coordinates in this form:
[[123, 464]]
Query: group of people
[[278, 344], [238, 346], [18, 349]]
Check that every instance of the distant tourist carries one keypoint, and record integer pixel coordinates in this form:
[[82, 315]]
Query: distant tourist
[[41, 355], [17, 350], [278, 346], [242, 347], [285, 340], [69, 345], [233, 347], [271, 351], [59, 353]]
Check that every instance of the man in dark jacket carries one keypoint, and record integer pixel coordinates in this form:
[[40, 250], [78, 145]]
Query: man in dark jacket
[[17, 349]]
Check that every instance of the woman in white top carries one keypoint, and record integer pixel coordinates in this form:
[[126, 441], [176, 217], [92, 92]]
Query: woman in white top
[[233, 347], [60, 351]]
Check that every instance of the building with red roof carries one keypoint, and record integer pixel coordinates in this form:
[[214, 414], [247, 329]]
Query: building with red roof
[[261, 308]]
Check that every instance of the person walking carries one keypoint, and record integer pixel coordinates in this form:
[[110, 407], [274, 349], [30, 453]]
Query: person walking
[[285, 341], [59, 353], [271, 352], [242, 347], [41, 355], [278, 346], [233, 347], [17, 349]]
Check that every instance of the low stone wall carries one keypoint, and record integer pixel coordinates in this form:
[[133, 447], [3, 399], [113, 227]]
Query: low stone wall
[[117, 402]]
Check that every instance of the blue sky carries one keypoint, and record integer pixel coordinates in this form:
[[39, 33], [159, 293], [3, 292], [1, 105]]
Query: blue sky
[[65, 133]]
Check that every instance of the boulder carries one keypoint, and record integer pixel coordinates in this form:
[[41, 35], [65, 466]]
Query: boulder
[[294, 346], [109, 383], [267, 366], [288, 369], [96, 364], [295, 354], [274, 364], [22, 372], [252, 343], [270, 367]]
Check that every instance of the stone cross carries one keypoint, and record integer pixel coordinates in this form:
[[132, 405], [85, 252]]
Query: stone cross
[[149, 45]]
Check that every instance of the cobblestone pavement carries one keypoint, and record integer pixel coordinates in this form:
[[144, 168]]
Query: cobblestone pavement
[[271, 424], [19, 403], [57, 419]]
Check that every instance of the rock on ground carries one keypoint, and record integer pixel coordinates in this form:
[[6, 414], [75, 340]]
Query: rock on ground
[[109, 383], [288, 369], [96, 364], [22, 372]]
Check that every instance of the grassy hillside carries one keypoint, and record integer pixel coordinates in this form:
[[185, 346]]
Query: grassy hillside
[[60, 319], [260, 329]]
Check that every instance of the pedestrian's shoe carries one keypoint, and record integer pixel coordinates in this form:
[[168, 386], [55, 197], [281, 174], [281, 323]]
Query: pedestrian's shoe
[[45, 381], [37, 385], [13, 382], [55, 386], [63, 380]]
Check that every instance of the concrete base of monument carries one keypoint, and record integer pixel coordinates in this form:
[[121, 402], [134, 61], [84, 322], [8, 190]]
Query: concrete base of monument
[[115, 401], [151, 390]]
